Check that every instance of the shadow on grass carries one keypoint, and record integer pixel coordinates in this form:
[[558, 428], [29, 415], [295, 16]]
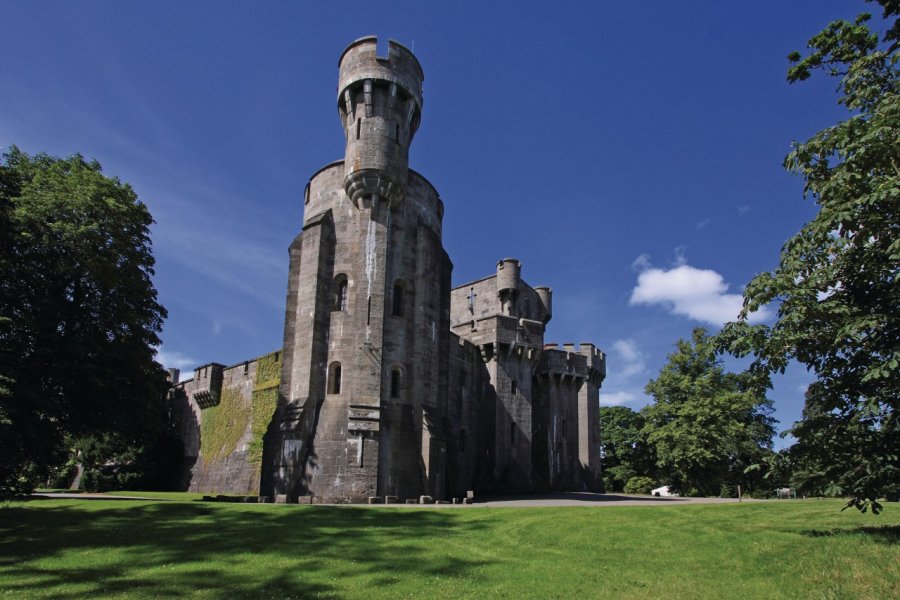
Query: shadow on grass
[[170, 550], [884, 534]]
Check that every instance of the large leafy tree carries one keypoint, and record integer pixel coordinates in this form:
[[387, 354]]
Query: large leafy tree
[[706, 425], [836, 285], [79, 315], [624, 452]]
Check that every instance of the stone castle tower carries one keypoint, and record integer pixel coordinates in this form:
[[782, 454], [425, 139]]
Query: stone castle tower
[[392, 384], [368, 305]]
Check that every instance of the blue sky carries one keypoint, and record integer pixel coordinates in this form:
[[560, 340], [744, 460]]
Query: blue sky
[[629, 154]]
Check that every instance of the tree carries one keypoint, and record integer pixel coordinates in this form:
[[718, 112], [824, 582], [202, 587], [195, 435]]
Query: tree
[[79, 316], [623, 450], [836, 284], [706, 425]]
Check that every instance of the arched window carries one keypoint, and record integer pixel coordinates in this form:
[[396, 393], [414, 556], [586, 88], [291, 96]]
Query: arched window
[[334, 378], [395, 383], [398, 301], [340, 293]]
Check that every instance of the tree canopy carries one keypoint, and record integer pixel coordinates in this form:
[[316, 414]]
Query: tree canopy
[[706, 425], [836, 285], [79, 315], [623, 450]]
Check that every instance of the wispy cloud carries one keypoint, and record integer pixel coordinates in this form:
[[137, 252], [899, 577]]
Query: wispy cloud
[[702, 224], [175, 360], [627, 367], [699, 294], [641, 263], [616, 398], [743, 210], [210, 246], [633, 360]]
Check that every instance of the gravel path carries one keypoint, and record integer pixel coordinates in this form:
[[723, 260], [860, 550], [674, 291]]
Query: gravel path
[[555, 499]]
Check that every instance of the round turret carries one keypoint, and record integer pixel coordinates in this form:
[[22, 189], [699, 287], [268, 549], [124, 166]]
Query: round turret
[[380, 103], [508, 271], [546, 296]]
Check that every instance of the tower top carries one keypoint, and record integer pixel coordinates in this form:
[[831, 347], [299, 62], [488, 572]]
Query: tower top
[[380, 105], [360, 61]]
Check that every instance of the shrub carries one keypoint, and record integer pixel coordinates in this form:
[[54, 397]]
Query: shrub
[[640, 485]]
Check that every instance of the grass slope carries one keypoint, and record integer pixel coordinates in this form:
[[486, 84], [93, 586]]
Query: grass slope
[[133, 549]]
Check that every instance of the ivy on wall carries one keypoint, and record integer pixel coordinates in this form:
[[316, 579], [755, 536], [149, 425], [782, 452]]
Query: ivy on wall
[[264, 401], [223, 425]]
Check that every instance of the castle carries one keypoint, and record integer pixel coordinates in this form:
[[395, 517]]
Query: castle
[[391, 384]]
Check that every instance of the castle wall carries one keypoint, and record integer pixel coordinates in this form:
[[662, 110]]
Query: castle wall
[[223, 413], [568, 394]]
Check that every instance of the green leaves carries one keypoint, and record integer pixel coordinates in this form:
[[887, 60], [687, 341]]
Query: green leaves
[[624, 450], [706, 425], [79, 316], [836, 284]]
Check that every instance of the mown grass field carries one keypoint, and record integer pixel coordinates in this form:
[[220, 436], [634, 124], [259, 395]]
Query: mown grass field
[[145, 549]]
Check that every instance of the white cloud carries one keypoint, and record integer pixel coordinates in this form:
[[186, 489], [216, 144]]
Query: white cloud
[[176, 360], [699, 294], [743, 210], [703, 223], [633, 360], [616, 398]]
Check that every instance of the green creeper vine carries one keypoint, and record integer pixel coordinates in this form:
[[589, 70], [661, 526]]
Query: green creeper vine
[[223, 425], [264, 401]]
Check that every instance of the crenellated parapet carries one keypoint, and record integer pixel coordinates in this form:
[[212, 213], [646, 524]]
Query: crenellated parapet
[[207, 388], [586, 362]]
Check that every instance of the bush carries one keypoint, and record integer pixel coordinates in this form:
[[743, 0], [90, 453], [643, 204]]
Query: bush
[[640, 485]]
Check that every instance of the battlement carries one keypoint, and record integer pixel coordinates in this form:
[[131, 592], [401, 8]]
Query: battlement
[[584, 362], [360, 61], [207, 388]]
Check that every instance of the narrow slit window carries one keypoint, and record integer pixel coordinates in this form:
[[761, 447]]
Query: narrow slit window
[[340, 296], [369, 311], [395, 383], [513, 388], [358, 126], [334, 378], [398, 301]]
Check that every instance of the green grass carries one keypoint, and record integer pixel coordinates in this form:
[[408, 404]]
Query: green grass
[[144, 549], [188, 496]]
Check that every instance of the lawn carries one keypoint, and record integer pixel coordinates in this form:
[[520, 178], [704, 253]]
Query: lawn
[[145, 549]]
